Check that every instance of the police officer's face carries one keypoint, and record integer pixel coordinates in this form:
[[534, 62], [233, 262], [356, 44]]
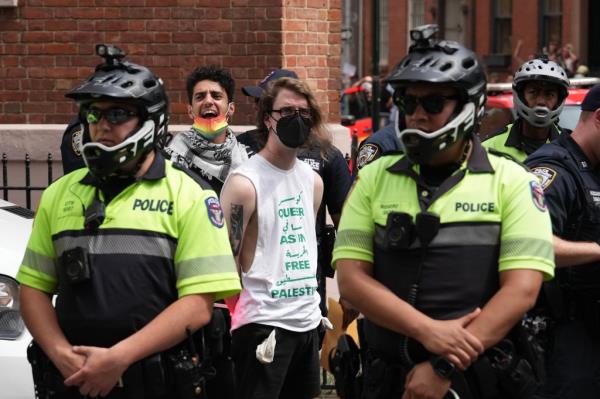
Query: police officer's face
[[540, 95], [209, 100], [111, 122], [440, 104]]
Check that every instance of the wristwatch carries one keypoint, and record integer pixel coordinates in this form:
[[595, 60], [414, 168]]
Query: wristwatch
[[442, 367]]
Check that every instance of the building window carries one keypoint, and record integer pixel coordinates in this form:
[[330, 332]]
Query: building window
[[384, 32], [417, 13], [502, 20], [551, 22]]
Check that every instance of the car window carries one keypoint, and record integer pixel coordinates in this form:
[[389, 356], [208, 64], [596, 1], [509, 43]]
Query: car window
[[569, 116]]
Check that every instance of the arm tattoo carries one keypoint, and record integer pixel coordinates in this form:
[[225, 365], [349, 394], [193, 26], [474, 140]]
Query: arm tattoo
[[237, 228]]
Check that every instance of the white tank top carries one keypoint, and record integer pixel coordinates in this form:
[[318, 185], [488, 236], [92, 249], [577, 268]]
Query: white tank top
[[280, 289]]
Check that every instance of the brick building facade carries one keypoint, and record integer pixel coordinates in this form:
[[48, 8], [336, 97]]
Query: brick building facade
[[503, 32], [47, 46]]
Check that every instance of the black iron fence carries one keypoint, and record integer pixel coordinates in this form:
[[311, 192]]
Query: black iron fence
[[27, 188]]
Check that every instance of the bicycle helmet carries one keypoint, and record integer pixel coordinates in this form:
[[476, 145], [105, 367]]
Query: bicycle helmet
[[539, 70], [432, 61], [122, 81]]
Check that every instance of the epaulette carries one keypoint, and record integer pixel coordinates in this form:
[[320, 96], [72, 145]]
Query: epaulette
[[507, 156], [198, 179], [495, 133]]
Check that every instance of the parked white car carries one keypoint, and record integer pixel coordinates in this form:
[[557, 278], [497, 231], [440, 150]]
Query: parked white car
[[16, 381]]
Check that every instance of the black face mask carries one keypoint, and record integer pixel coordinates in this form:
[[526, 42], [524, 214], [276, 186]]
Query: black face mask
[[293, 130]]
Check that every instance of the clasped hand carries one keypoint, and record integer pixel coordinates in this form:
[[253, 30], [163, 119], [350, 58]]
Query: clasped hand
[[99, 373], [451, 339]]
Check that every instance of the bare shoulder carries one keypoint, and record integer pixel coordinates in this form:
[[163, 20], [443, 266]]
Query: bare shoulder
[[238, 189]]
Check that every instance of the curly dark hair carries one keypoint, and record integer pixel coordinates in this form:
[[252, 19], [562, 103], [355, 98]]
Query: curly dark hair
[[214, 73]]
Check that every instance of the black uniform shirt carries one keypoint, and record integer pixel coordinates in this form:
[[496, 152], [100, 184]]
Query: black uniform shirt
[[572, 191]]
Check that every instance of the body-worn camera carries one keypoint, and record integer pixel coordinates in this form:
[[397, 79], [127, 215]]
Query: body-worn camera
[[95, 214], [75, 265], [399, 231]]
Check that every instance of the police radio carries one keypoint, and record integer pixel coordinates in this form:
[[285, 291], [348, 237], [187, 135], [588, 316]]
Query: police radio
[[95, 214]]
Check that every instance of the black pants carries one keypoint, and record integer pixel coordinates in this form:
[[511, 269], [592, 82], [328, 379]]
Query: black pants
[[384, 378], [294, 372], [572, 363]]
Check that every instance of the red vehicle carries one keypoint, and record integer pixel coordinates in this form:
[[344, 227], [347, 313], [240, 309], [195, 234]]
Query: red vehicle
[[499, 110], [356, 112]]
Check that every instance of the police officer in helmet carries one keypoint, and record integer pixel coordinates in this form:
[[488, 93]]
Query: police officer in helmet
[[435, 247], [540, 88], [117, 243]]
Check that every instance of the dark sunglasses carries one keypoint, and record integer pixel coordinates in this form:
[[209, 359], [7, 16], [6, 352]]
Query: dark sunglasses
[[432, 104], [114, 115], [290, 111]]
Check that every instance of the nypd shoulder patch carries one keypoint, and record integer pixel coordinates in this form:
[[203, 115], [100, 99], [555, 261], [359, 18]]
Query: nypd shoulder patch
[[537, 195], [77, 141], [366, 154], [215, 213], [545, 176]]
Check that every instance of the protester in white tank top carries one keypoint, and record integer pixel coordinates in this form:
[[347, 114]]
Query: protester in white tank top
[[270, 203]]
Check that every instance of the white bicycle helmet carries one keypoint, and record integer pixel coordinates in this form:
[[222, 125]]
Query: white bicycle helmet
[[539, 70]]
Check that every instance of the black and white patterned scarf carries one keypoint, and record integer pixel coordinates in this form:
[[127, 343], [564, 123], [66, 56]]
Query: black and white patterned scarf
[[215, 160]]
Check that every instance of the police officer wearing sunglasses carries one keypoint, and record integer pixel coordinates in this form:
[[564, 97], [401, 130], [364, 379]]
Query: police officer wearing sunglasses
[[443, 248], [117, 243]]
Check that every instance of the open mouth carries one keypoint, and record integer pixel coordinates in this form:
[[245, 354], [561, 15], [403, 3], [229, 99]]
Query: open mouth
[[209, 114], [541, 111]]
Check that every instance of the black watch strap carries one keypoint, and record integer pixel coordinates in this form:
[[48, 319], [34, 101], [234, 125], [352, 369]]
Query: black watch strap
[[442, 367]]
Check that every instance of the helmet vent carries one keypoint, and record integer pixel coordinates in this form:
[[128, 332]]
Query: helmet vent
[[468, 63], [406, 62], [446, 66], [127, 84], [149, 83], [426, 61]]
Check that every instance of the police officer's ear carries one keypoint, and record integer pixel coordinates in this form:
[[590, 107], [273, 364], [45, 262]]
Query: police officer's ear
[[597, 118]]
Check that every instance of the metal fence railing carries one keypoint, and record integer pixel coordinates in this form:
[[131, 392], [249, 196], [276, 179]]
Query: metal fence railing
[[27, 188]]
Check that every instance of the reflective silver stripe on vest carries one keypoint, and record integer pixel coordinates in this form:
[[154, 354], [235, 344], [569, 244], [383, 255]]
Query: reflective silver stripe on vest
[[471, 234], [119, 244], [39, 262], [457, 235]]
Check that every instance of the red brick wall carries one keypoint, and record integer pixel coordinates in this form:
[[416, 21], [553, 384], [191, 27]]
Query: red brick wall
[[311, 48], [47, 46]]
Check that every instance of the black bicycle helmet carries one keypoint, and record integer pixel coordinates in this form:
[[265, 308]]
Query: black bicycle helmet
[[432, 61], [116, 80]]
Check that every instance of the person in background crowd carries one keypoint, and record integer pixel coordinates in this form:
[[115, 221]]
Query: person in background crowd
[[209, 149]]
